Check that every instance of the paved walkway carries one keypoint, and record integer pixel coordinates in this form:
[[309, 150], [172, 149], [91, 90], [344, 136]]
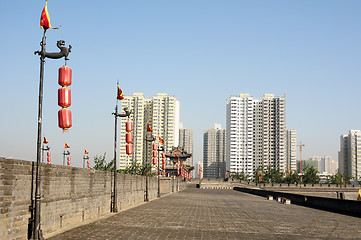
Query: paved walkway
[[218, 214]]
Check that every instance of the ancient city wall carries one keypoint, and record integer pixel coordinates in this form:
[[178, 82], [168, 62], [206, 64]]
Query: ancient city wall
[[70, 195]]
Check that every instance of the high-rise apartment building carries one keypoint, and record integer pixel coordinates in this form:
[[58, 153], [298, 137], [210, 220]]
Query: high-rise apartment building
[[161, 113], [291, 150], [350, 154], [186, 142], [214, 152], [240, 129], [256, 133]]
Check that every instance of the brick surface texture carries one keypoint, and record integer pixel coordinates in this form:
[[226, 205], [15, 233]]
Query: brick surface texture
[[218, 214]]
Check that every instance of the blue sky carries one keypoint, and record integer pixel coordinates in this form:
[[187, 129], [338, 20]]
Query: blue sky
[[199, 51]]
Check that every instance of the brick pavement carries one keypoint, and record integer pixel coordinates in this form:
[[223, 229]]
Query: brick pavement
[[218, 214]]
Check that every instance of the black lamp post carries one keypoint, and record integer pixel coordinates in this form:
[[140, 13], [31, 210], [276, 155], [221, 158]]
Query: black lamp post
[[160, 148], [44, 148], [36, 232], [65, 153], [86, 157], [113, 205], [147, 139]]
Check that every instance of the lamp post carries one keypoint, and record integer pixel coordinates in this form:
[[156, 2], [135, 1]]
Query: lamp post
[[86, 157], [160, 148], [36, 232], [147, 139], [44, 148], [113, 205], [65, 153]]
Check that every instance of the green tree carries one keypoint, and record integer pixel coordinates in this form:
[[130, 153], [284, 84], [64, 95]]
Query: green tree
[[238, 175], [310, 175], [292, 177], [272, 175], [338, 178], [101, 163], [258, 175]]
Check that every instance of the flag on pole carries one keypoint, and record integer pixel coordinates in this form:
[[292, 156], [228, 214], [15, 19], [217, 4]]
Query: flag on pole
[[148, 128], [161, 140], [45, 141], [85, 151], [45, 19], [66, 146], [120, 95]]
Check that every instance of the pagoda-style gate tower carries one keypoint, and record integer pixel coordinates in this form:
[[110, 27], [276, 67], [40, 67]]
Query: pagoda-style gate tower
[[175, 155]]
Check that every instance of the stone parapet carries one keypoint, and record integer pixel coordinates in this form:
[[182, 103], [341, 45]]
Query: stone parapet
[[69, 195]]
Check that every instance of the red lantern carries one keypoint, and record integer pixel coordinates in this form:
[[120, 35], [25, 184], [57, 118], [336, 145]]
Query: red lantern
[[64, 118], [68, 161], [154, 146], [48, 154], [163, 155], [64, 97], [163, 161], [64, 76], [154, 161], [129, 149], [177, 169], [88, 164], [129, 137], [128, 126], [154, 153], [164, 166]]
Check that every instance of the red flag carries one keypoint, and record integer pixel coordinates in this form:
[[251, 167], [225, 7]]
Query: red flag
[[45, 141], [120, 95], [161, 140], [45, 19], [86, 152], [148, 128], [66, 146]]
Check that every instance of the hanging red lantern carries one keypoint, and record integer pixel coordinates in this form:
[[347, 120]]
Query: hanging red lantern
[[164, 166], [154, 153], [64, 97], [177, 169], [129, 137], [64, 118], [88, 164], [64, 76], [154, 161], [163, 155], [68, 161], [129, 149], [48, 157], [154, 146], [128, 126]]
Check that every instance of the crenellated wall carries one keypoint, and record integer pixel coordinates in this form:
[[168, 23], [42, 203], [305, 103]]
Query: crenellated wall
[[69, 196]]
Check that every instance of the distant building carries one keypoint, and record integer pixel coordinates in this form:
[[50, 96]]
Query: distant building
[[291, 150], [256, 133], [350, 154], [214, 152], [186, 141], [305, 163], [161, 113], [328, 165]]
